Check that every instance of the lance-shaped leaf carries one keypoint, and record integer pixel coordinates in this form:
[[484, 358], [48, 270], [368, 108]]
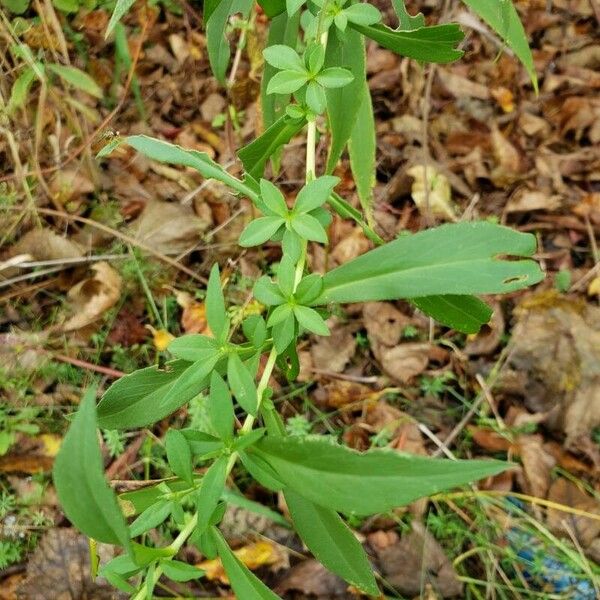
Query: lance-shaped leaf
[[458, 258], [435, 44], [367, 483], [137, 400], [78, 473], [331, 542], [216, 25], [166, 152], [502, 17], [361, 147], [244, 583], [343, 104], [463, 313], [255, 155]]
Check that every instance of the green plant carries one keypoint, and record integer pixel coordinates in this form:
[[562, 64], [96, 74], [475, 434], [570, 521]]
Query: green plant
[[439, 270]]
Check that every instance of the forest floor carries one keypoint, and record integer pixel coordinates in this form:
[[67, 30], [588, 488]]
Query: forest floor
[[101, 261]]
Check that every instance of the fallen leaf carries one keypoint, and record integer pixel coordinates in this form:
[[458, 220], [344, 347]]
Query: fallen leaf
[[585, 529], [537, 464], [60, 569], [461, 87], [312, 579], [334, 352], [169, 228], [505, 99], [31, 454], [254, 556], [557, 352], [92, 297], [416, 560], [528, 200], [509, 164], [69, 184], [489, 337], [44, 244], [405, 361], [431, 192], [351, 246]]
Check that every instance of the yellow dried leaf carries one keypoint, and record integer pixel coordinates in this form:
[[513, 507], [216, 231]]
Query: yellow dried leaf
[[594, 287], [431, 191], [51, 443], [253, 556], [504, 97]]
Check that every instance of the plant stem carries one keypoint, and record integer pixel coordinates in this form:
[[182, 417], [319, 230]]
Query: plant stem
[[175, 546], [311, 141]]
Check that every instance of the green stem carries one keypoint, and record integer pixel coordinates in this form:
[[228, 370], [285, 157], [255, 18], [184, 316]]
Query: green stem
[[175, 547]]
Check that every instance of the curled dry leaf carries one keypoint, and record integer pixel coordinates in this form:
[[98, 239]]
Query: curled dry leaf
[[490, 335], [254, 556], [416, 560], [431, 192], [537, 464], [60, 569], [528, 200], [585, 529], [169, 228], [44, 244], [557, 348], [351, 246], [509, 163], [312, 579], [92, 297], [334, 352]]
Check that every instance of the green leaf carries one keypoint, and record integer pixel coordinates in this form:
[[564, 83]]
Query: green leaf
[[150, 518], [77, 78], [165, 152], [255, 330], [367, 483], [334, 77], [435, 44], [283, 333], [291, 244], [362, 14], [272, 8], [343, 103], [242, 383], [502, 17], [307, 227], [216, 314], [213, 484], [20, 90], [311, 320], [463, 313], [283, 57], [286, 274], [407, 22], [258, 231], [347, 211], [176, 570], [244, 583], [315, 97], [331, 542], [292, 6], [286, 82], [282, 30], [261, 471], [216, 26], [255, 155], [220, 407], [459, 258], [267, 292], [179, 455], [280, 314], [362, 148], [121, 7], [273, 198], [17, 7], [68, 6], [309, 288], [202, 443], [192, 347], [85, 496], [190, 383], [244, 440], [315, 193]]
